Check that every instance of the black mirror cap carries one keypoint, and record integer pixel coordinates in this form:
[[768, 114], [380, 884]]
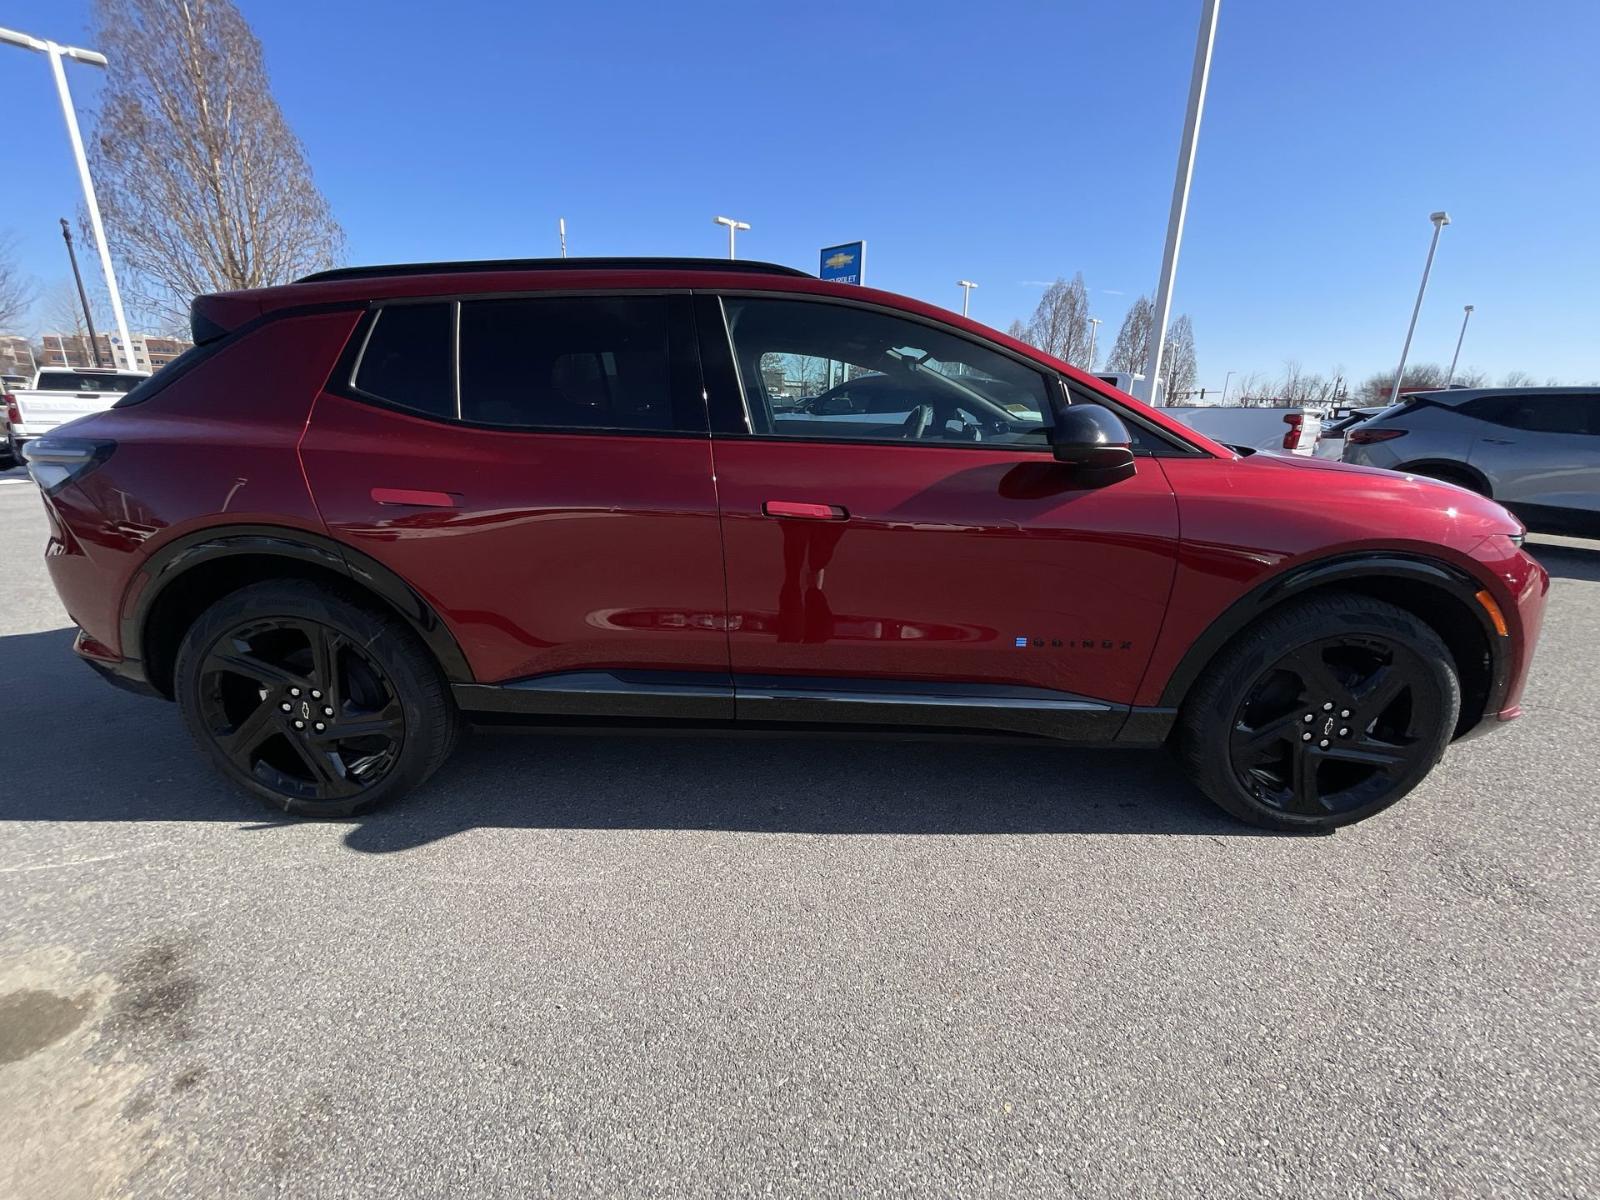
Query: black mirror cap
[[1092, 437]]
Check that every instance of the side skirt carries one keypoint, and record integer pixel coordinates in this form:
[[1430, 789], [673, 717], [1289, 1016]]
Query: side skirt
[[684, 700]]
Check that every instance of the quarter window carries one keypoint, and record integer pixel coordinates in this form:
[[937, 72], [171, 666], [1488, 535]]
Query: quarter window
[[831, 371], [585, 363], [409, 360]]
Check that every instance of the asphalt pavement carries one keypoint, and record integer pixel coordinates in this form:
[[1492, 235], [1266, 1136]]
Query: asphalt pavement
[[652, 967]]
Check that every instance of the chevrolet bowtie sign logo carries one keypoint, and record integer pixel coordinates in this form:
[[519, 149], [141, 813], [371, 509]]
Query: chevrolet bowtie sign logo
[[844, 264]]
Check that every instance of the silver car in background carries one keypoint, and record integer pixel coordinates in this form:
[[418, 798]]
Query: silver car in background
[[1535, 450]]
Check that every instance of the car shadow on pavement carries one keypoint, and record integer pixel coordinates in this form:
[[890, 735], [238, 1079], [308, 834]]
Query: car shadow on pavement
[[78, 750], [1565, 560]]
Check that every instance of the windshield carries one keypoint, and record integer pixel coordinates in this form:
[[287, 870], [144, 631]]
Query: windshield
[[84, 381]]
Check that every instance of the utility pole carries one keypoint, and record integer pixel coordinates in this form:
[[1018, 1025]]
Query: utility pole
[[966, 286], [83, 297], [1180, 195], [56, 53], [1440, 220], [1467, 316], [732, 226]]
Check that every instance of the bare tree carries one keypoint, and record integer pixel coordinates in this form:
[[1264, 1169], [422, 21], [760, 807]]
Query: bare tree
[[1516, 379], [1060, 323], [1179, 368], [16, 292], [1018, 330], [1133, 339], [1377, 387], [203, 185]]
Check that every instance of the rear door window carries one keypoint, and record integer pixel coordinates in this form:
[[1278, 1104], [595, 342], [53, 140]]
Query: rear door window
[[584, 363], [409, 358], [1538, 414]]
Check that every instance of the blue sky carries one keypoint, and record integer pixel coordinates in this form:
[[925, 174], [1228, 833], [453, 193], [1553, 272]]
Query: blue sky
[[1001, 142]]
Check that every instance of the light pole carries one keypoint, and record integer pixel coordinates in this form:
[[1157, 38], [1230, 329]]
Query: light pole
[[561, 227], [1225, 384], [83, 298], [1440, 220], [966, 286], [1180, 196], [1465, 317], [732, 226], [1094, 336], [56, 53]]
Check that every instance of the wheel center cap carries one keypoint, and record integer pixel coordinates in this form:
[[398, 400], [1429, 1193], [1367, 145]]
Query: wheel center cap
[[305, 711], [1327, 727]]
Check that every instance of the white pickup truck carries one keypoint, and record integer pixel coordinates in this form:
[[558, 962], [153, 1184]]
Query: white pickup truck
[[59, 395]]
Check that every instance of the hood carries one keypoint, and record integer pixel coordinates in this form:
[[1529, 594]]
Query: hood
[[1374, 490]]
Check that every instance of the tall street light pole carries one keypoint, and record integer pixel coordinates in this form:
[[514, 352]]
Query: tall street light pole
[[1094, 336], [1225, 384], [966, 286], [561, 228], [732, 226], [1180, 196], [56, 53], [83, 298], [1440, 220], [1465, 317]]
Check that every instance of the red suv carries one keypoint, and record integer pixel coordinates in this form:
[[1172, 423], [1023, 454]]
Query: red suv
[[380, 502]]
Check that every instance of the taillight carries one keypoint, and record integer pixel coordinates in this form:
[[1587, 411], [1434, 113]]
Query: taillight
[[1291, 439], [55, 462], [1365, 437], [13, 413]]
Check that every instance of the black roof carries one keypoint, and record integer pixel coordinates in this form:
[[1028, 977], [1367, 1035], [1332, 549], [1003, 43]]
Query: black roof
[[390, 270]]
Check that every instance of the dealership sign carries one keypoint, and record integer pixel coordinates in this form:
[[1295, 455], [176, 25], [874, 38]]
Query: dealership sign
[[845, 264]]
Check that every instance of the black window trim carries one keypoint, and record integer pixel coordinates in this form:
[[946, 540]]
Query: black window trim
[[1172, 447], [344, 377]]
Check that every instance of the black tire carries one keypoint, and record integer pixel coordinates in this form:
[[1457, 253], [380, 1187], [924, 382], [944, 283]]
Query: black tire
[[374, 713], [1242, 732]]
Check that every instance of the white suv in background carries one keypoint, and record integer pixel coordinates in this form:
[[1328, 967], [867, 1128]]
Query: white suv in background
[[1535, 450]]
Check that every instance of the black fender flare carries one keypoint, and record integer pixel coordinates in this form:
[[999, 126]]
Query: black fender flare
[[1303, 578], [174, 560]]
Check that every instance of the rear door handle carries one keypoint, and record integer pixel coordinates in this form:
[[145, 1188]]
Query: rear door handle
[[413, 498], [804, 511]]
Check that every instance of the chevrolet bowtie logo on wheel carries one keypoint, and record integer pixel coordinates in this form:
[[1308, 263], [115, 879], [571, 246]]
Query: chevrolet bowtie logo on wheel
[[305, 710]]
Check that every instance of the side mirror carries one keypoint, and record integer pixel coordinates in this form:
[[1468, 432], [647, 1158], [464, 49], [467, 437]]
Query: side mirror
[[1092, 438]]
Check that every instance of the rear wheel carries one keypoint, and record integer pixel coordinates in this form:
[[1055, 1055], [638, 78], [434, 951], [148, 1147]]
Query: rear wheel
[[312, 702], [1325, 712]]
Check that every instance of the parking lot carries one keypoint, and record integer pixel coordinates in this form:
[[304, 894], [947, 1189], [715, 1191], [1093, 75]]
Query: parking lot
[[584, 966]]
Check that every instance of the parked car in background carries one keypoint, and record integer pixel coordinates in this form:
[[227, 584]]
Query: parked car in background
[[1330, 442], [62, 394], [1278, 430], [346, 524], [1535, 450]]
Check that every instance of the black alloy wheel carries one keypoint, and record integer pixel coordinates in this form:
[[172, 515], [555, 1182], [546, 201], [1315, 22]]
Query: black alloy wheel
[[1324, 712], [313, 699], [1332, 725], [298, 706]]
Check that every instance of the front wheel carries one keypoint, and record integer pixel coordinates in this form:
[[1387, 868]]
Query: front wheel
[[1323, 713], [312, 702]]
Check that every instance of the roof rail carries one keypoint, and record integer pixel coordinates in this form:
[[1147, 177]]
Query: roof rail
[[389, 270]]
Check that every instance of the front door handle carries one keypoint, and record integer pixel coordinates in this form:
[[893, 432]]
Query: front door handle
[[804, 511], [1501, 441]]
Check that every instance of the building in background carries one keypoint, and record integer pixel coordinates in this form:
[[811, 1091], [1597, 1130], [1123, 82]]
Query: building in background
[[151, 351], [16, 355]]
